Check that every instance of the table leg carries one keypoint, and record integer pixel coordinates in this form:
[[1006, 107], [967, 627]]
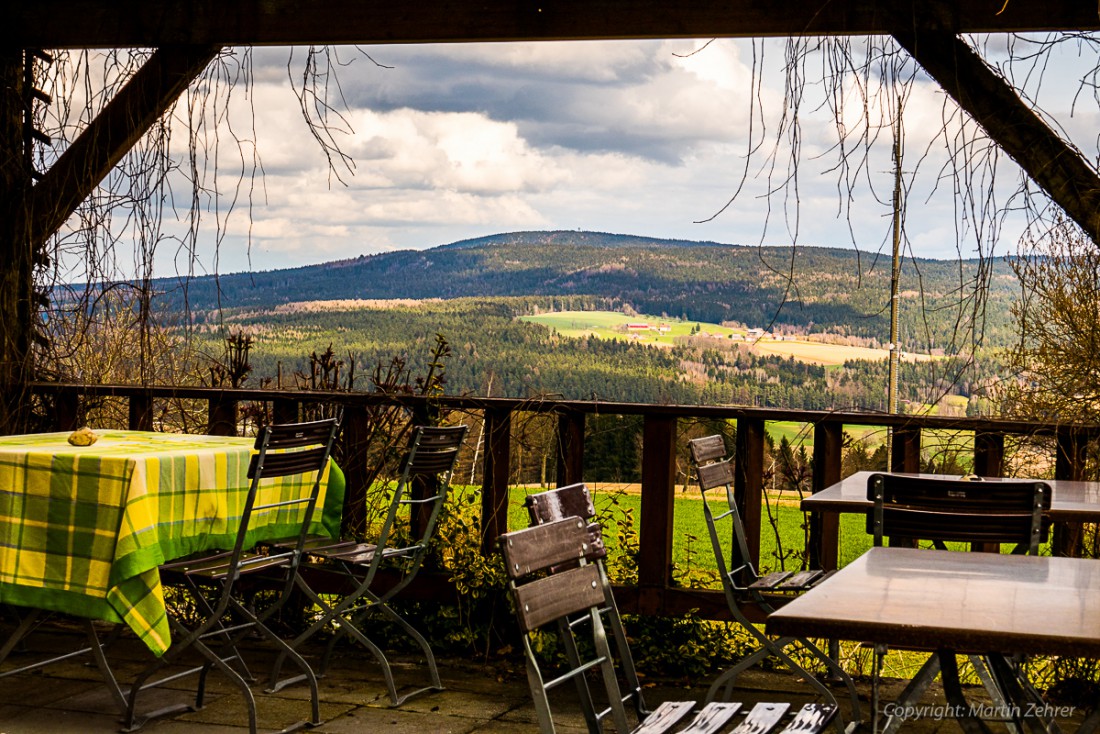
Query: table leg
[[984, 670], [952, 691], [1017, 693], [95, 647], [913, 692], [1091, 722], [104, 668]]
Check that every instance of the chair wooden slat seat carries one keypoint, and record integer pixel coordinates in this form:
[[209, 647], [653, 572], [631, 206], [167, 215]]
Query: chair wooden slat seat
[[225, 612], [322, 544], [665, 716], [217, 568], [711, 718], [810, 718], [802, 580], [771, 580], [553, 584], [428, 464], [762, 718], [743, 584]]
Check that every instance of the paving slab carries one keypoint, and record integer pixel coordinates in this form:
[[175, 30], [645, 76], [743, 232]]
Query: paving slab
[[483, 697]]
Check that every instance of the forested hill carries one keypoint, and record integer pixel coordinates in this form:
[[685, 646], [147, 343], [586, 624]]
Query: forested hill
[[818, 288]]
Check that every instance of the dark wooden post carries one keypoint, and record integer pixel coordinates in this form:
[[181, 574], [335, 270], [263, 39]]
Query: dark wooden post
[[18, 248], [925, 31], [30, 214], [421, 487], [824, 547], [67, 410], [989, 457], [356, 433], [497, 470], [1069, 463], [141, 412], [657, 506], [989, 454], [570, 448], [223, 416], [748, 479], [905, 449], [285, 410]]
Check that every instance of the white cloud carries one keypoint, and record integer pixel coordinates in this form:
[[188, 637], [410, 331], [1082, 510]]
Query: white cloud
[[639, 137]]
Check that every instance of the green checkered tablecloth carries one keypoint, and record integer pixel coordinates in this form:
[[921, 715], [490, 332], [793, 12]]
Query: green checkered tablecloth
[[83, 529]]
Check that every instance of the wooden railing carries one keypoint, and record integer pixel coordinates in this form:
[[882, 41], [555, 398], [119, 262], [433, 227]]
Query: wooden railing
[[655, 593]]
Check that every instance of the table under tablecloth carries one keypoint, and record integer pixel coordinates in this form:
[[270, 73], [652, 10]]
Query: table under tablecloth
[[83, 529]]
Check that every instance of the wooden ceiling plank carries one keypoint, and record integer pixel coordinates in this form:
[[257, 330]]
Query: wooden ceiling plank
[[141, 23]]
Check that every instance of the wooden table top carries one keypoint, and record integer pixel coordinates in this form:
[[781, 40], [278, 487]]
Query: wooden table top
[[970, 602], [1072, 501]]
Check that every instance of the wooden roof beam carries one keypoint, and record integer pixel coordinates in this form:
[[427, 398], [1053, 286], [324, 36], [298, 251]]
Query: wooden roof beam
[[145, 23], [131, 112], [1057, 167]]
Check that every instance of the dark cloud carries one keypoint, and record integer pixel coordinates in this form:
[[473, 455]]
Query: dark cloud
[[574, 96]]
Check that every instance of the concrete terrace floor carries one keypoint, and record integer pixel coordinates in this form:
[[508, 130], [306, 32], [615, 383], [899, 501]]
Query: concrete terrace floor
[[479, 697]]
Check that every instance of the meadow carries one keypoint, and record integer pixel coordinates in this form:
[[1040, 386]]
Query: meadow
[[785, 538], [665, 332]]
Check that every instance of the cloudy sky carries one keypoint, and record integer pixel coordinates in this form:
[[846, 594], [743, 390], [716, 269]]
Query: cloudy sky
[[636, 137]]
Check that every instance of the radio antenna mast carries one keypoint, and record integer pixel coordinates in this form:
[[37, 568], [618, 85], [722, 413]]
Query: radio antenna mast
[[895, 277]]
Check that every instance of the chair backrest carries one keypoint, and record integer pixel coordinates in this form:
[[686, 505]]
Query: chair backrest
[[428, 464], [542, 599], [573, 500], [713, 470], [433, 451], [945, 510], [284, 450]]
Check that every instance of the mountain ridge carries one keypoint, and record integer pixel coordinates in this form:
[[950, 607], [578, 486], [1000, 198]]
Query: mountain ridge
[[806, 287]]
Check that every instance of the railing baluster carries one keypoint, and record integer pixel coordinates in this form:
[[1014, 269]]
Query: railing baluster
[[223, 415], [66, 410], [356, 431], [422, 486], [1070, 461], [141, 412], [285, 410], [824, 541], [748, 479], [494, 487], [570, 448], [989, 454], [905, 450], [657, 506]]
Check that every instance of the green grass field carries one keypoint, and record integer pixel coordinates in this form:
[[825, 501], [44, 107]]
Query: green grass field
[[613, 325], [665, 331], [691, 545], [802, 434]]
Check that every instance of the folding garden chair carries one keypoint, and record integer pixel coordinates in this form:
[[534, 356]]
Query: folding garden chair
[[570, 601], [213, 580], [743, 585], [575, 500], [429, 463], [909, 508]]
